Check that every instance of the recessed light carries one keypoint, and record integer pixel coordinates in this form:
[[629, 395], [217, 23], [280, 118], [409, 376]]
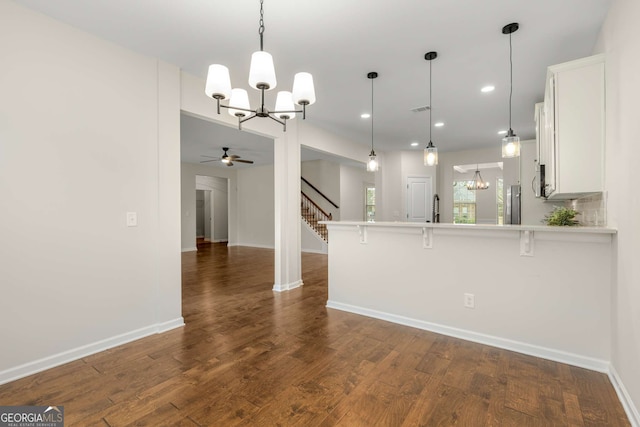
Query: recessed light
[[502, 132], [414, 144], [439, 124], [365, 115], [488, 89]]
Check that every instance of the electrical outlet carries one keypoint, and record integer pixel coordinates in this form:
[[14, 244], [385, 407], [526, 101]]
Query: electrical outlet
[[132, 219], [469, 301]]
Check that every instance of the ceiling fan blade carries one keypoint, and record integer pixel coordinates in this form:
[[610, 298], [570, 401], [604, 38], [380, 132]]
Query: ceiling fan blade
[[211, 157], [208, 161], [233, 157], [230, 163], [244, 161]]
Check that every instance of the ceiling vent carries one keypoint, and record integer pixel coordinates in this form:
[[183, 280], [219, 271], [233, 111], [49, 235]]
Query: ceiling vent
[[420, 109]]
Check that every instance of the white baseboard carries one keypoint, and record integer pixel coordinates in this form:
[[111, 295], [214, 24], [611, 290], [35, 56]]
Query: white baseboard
[[220, 240], [507, 344], [189, 249], [252, 245], [632, 412], [49, 362], [287, 286], [314, 251]]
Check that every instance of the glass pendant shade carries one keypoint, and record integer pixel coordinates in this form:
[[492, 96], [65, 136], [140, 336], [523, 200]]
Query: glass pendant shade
[[303, 91], [430, 155], [239, 99], [372, 164], [284, 102], [218, 82], [262, 74], [510, 145]]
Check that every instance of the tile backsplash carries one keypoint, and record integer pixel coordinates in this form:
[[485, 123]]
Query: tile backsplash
[[593, 210]]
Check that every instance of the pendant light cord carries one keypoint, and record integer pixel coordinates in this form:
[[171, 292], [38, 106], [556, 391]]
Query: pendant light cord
[[511, 80], [261, 28], [430, 109], [372, 116]]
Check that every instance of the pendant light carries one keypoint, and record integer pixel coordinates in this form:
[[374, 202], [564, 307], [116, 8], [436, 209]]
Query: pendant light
[[511, 142], [262, 76], [372, 163], [477, 183], [430, 151]]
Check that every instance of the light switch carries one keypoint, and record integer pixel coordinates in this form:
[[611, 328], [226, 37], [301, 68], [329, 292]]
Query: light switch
[[132, 219]]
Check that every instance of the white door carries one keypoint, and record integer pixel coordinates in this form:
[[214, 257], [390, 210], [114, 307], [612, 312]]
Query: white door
[[419, 199]]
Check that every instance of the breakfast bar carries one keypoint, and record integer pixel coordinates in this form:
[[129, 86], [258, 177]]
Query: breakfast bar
[[539, 290]]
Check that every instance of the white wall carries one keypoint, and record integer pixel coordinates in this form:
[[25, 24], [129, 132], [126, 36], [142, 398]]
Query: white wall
[[189, 173], [256, 221], [96, 128], [353, 182], [619, 40]]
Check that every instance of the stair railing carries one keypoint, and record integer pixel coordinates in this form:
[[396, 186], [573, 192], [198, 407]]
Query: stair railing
[[319, 192], [312, 214]]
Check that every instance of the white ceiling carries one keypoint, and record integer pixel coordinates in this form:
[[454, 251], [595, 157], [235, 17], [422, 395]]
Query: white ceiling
[[340, 41]]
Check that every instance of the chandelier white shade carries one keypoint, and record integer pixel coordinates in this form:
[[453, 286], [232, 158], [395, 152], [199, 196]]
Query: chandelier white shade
[[262, 74], [284, 102], [218, 82], [262, 77], [303, 90], [239, 103]]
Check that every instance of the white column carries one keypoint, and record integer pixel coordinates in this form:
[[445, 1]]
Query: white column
[[288, 269]]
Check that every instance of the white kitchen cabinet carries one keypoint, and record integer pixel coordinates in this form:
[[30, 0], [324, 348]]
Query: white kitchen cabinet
[[571, 142]]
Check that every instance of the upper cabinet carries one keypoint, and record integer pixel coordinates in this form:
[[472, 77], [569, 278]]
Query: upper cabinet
[[570, 129]]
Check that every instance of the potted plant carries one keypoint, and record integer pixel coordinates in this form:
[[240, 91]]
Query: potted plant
[[561, 216]]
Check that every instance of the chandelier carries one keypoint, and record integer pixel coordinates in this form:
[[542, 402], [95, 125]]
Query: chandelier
[[262, 76], [477, 183]]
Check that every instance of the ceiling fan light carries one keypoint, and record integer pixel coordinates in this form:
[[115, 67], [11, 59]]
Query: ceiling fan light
[[284, 102], [262, 73], [239, 99], [218, 82], [304, 92]]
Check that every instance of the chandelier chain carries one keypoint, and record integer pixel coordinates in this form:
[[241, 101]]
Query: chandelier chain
[[261, 29]]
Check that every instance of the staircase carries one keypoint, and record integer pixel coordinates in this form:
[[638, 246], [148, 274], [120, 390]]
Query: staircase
[[312, 213]]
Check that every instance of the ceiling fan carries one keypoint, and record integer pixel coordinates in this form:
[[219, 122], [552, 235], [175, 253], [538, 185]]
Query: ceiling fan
[[226, 158]]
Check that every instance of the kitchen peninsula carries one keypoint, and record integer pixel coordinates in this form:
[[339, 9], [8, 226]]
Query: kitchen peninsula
[[539, 290]]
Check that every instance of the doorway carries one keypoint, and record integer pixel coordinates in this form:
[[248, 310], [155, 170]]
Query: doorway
[[212, 209]]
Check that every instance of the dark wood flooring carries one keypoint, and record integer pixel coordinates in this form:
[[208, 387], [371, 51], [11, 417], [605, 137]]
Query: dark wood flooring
[[251, 357]]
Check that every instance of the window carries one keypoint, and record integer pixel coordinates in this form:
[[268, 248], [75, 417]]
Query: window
[[464, 203], [370, 204]]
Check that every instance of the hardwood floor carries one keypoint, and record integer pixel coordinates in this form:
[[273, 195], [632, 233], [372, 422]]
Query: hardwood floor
[[251, 357]]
